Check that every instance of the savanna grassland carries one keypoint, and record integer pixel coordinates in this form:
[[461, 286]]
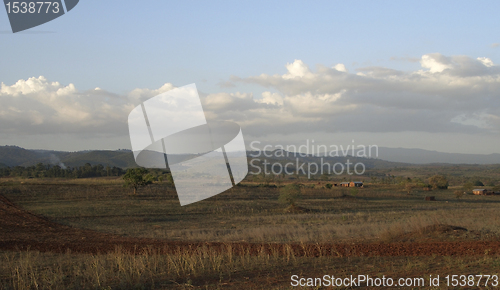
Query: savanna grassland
[[242, 238]]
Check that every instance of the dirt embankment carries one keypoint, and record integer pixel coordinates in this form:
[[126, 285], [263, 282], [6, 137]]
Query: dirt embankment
[[22, 230]]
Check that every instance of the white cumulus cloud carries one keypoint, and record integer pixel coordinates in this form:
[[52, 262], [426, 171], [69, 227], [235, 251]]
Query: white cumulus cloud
[[382, 99], [447, 94], [297, 69], [271, 99]]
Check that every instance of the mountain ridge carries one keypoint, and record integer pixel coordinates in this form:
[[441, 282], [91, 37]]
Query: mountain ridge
[[387, 157]]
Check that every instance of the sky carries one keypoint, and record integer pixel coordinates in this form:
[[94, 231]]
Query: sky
[[410, 74]]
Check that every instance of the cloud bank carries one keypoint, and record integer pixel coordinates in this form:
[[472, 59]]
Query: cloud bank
[[447, 94]]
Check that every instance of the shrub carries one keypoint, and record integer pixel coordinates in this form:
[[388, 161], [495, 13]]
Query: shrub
[[478, 183], [458, 193], [290, 193], [439, 181], [409, 186]]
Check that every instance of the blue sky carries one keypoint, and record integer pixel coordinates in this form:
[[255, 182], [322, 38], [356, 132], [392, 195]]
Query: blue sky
[[120, 46]]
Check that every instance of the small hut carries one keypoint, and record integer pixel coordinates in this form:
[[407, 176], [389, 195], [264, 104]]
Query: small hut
[[479, 191], [356, 184]]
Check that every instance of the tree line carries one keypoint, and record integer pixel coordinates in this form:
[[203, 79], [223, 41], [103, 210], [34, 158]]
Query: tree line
[[46, 170]]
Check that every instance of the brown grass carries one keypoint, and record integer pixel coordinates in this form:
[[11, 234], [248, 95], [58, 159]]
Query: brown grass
[[204, 269], [251, 214]]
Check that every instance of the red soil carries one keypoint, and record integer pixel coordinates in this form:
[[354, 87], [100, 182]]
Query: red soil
[[22, 230]]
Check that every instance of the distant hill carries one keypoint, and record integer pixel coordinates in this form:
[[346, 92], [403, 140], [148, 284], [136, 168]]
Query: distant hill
[[420, 156], [285, 156], [123, 159], [13, 156], [17, 156], [387, 157]]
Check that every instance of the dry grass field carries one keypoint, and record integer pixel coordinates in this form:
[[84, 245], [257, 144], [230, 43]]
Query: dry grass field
[[95, 234]]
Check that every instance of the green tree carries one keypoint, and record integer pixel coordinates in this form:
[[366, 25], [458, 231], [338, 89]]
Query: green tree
[[478, 183], [290, 193], [170, 179], [439, 181], [150, 178], [40, 170], [136, 177]]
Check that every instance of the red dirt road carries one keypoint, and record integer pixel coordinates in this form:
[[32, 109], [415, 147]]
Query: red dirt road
[[22, 230]]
